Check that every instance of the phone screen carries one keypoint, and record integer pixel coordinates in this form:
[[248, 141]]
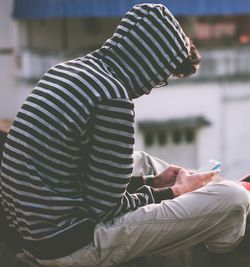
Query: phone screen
[[211, 165]]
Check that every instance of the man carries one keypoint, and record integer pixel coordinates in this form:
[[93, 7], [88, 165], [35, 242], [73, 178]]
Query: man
[[66, 180]]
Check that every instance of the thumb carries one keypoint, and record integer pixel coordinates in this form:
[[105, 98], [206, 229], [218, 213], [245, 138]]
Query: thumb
[[176, 169], [182, 172]]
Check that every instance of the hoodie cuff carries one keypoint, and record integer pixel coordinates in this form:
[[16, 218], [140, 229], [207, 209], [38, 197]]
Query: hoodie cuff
[[163, 194], [149, 180], [139, 181], [135, 183]]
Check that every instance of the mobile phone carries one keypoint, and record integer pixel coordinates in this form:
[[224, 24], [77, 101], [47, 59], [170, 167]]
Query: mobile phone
[[211, 165]]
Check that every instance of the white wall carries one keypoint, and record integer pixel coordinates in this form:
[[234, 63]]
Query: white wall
[[6, 24], [236, 129], [182, 101], [8, 105], [174, 153]]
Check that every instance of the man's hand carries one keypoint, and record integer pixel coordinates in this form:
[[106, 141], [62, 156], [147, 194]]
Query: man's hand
[[167, 177], [188, 182]]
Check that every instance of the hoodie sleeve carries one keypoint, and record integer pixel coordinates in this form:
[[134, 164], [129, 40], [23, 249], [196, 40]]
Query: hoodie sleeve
[[110, 162]]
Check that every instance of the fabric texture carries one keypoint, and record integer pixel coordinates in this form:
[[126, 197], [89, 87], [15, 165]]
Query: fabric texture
[[68, 157], [214, 215]]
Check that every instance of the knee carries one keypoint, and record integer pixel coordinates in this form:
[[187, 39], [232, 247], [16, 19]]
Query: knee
[[233, 195]]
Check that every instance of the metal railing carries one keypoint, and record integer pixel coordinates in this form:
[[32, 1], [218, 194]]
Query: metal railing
[[216, 63], [224, 63]]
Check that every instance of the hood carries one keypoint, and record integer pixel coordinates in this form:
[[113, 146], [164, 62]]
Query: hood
[[146, 47]]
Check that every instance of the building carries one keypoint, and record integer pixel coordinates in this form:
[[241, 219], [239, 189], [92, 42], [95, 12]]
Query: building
[[7, 62], [186, 123]]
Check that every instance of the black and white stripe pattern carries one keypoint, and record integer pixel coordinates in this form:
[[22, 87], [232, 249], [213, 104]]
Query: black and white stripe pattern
[[69, 154], [146, 47]]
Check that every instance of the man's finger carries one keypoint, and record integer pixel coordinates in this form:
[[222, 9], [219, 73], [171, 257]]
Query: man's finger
[[210, 174]]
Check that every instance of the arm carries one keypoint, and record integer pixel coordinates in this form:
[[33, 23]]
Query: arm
[[187, 182], [135, 183], [110, 162], [175, 181], [164, 179]]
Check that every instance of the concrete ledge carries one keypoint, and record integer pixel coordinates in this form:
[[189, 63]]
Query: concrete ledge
[[197, 256]]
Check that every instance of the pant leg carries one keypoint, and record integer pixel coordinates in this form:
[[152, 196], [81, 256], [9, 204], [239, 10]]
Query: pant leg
[[214, 215]]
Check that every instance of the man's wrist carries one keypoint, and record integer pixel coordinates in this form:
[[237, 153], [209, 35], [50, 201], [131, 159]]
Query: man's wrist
[[157, 181], [153, 180], [176, 191]]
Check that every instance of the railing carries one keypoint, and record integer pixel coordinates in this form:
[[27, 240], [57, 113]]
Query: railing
[[224, 63], [216, 63]]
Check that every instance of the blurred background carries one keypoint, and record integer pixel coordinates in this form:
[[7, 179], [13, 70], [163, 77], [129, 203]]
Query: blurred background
[[187, 122]]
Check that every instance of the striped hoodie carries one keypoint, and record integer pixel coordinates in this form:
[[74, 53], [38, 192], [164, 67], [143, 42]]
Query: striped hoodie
[[68, 157]]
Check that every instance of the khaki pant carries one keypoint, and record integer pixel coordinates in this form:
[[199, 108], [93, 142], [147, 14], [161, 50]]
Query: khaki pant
[[214, 215]]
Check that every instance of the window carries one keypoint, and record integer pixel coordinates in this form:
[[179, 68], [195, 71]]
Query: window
[[148, 139], [177, 137], [189, 136], [218, 31], [173, 140], [162, 138]]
